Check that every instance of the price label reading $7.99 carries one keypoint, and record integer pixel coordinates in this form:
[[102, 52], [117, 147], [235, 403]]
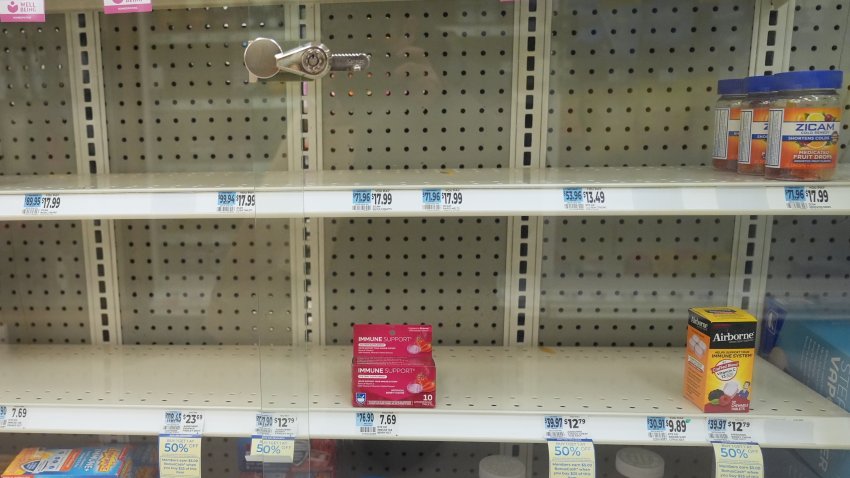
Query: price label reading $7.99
[[13, 418], [738, 460], [572, 459], [180, 444]]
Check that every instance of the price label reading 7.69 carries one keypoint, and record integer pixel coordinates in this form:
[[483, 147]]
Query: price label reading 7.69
[[13, 417], [377, 423]]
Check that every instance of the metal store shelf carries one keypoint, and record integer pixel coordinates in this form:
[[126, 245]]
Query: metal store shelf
[[125, 390], [62, 6], [599, 191], [502, 394]]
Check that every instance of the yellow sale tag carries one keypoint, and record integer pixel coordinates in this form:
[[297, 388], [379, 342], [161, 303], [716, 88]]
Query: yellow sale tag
[[572, 459], [273, 450], [179, 457], [738, 460]]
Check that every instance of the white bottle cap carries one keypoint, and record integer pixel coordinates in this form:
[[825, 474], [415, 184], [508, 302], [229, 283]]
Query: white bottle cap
[[634, 462], [500, 466]]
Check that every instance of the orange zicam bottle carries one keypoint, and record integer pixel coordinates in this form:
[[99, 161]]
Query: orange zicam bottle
[[727, 123], [752, 148], [805, 120]]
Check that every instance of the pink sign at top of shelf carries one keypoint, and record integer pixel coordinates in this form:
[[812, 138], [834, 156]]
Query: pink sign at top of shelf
[[126, 6], [20, 11]]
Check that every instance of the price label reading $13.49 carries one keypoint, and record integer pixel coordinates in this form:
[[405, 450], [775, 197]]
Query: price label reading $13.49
[[274, 437], [738, 460], [230, 202], [572, 459], [180, 444], [13, 418], [377, 423], [41, 204], [585, 199]]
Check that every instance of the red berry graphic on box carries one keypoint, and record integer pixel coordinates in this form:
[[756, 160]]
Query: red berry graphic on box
[[12, 7]]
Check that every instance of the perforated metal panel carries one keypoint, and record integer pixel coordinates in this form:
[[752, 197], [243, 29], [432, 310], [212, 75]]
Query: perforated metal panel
[[438, 92], [412, 459], [810, 256], [36, 129], [205, 282], [177, 95], [633, 84], [624, 281], [679, 462], [445, 272], [43, 298], [820, 42]]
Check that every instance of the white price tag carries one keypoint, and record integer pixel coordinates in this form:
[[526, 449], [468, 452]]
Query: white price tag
[[274, 437], [734, 429], [572, 459], [126, 6], [586, 199], [180, 444], [41, 204], [442, 199], [365, 200], [230, 202], [807, 197], [671, 429], [21, 11], [568, 427], [738, 460], [377, 423], [13, 418]]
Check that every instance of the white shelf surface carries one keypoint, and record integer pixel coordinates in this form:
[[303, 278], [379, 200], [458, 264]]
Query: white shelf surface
[[64, 6], [619, 191], [502, 395], [126, 390]]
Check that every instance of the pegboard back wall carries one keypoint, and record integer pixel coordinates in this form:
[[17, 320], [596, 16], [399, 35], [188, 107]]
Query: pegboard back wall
[[177, 96], [629, 281], [820, 41], [447, 272], [679, 462], [438, 91], [810, 257], [205, 282], [43, 297], [36, 129], [398, 459], [634, 83]]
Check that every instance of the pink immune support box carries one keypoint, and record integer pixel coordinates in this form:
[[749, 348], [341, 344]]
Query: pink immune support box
[[393, 367]]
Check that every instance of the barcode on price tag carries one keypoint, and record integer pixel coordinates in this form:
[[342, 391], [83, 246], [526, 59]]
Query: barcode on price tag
[[669, 428], [41, 204], [371, 200], [566, 427], [584, 199], [807, 197], [734, 429], [377, 423], [13, 417], [442, 199], [230, 202]]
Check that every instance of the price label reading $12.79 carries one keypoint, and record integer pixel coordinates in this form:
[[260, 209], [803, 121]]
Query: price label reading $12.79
[[13, 418], [738, 460], [180, 444], [274, 437], [734, 430], [377, 423], [567, 427], [572, 459]]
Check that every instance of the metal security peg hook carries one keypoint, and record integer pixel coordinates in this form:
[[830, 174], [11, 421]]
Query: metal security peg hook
[[265, 58]]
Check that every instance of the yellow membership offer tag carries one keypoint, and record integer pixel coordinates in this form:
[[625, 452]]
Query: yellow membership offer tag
[[572, 459], [179, 457], [738, 460]]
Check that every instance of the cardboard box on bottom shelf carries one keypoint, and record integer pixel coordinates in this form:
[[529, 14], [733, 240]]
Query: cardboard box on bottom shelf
[[94, 462], [394, 382]]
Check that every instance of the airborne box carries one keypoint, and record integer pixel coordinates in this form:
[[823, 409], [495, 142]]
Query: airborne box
[[719, 359]]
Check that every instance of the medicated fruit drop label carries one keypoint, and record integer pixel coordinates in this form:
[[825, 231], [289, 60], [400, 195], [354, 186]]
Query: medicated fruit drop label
[[572, 459], [804, 138], [126, 6], [21, 11], [738, 460]]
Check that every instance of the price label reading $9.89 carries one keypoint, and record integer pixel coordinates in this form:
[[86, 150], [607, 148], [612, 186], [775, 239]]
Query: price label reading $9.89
[[738, 460], [669, 428], [572, 459], [377, 423]]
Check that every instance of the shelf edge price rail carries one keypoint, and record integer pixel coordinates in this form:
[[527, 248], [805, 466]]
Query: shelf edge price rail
[[14, 417], [377, 424], [41, 204], [180, 444], [274, 437]]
